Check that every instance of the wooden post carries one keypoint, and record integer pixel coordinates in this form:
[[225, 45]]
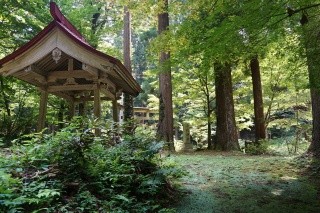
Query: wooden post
[[97, 107], [42, 110], [115, 111]]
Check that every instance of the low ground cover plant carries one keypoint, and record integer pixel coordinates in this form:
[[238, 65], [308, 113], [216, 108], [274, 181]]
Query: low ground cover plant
[[74, 171]]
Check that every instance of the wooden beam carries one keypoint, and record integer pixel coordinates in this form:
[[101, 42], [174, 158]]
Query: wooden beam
[[41, 79], [53, 76], [86, 99], [107, 92], [30, 73], [63, 95], [93, 71], [104, 79], [42, 110], [72, 87], [119, 93]]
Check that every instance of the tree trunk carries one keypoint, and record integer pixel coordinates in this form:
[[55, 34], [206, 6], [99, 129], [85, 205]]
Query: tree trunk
[[311, 40], [209, 122], [165, 126], [226, 134], [128, 101], [259, 123], [315, 143], [4, 96], [310, 33]]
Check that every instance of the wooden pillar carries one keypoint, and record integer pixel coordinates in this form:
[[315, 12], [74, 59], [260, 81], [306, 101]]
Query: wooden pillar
[[42, 110], [115, 111], [97, 107]]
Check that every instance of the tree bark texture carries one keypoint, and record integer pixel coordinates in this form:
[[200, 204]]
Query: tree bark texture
[[259, 123], [5, 97], [128, 101], [165, 125], [209, 122], [226, 133], [311, 40]]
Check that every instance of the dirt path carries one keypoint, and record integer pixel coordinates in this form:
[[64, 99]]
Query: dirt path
[[239, 183]]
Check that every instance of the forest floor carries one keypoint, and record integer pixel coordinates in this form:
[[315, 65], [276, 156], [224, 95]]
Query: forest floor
[[235, 182]]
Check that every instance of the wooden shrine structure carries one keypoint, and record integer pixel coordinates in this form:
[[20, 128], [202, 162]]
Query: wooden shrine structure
[[59, 61]]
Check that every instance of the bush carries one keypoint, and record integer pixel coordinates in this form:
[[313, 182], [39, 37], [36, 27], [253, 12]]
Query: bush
[[256, 148], [73, 171]]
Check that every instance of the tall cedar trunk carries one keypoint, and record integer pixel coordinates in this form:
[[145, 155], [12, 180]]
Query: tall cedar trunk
[[165, 126], [259, 124], [209, 121], [5, 97], [226, 134], [311, 40], [128, 101], [94, 27]]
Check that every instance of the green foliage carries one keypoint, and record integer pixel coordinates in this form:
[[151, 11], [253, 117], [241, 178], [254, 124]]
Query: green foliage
[[290, 145], [257, 148], [17, 110], [72, 170]]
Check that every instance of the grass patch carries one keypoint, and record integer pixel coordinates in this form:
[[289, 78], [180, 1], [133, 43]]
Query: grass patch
[[222, 182]]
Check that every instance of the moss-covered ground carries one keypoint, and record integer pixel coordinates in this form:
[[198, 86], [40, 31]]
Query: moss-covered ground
[[224, 182]]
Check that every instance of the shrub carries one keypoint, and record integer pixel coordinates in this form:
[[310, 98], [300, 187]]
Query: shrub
[[73, 171], [257, 148]]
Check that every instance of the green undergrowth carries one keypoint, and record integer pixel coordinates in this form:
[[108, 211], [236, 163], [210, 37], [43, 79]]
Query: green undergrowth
[[285, 146], [73, 171], [221, 182]]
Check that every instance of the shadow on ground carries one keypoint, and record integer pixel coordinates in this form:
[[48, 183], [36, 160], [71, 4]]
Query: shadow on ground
[[241, 183]]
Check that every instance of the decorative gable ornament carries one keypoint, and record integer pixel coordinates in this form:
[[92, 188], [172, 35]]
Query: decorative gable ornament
[[56, 55]]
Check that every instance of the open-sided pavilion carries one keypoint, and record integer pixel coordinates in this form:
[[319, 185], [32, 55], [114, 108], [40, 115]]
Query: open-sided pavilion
[[59, 61]]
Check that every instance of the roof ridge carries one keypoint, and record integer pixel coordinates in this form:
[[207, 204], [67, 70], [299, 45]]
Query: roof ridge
[[59, 17]]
